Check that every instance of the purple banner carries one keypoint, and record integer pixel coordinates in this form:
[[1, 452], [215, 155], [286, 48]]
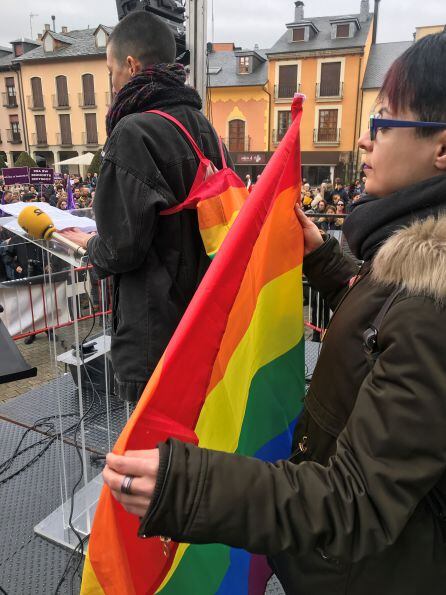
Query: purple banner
[[58, 175], [15, 175], [41, 175]]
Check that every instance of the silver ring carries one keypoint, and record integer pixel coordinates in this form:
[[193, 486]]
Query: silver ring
[[127, 484]]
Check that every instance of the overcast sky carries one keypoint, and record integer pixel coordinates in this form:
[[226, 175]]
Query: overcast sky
[[245, 22]]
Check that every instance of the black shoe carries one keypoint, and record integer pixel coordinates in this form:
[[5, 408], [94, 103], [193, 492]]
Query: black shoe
[[30, 340]]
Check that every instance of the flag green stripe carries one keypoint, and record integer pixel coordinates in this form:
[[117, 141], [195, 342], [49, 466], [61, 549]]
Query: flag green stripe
[[200, 572], [275, 400]]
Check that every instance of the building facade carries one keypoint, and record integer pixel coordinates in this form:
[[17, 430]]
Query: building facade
[[325, 59], [67, 92], [13, 134], [238, 104]]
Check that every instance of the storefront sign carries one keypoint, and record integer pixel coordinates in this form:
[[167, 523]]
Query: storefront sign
[[15, 175], [252, 158], [41, 175]]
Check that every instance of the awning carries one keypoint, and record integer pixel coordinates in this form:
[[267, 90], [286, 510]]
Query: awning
[[79, 160]]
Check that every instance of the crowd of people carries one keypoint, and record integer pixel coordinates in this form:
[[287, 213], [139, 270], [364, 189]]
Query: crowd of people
[[57, 194], [332, 202], [20, 259], [328, 204]]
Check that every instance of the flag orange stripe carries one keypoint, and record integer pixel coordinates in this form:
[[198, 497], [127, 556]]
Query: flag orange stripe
[[121, 444], [281, 217], [229, 201]]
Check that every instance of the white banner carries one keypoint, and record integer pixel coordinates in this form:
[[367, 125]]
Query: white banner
[[33, 307]]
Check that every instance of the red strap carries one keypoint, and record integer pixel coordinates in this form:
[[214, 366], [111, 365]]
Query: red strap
[[188, 135]]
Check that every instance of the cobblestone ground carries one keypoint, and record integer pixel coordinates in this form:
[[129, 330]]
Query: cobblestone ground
[[39, 354]]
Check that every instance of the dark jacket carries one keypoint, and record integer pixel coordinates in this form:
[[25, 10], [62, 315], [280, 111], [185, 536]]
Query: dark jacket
[[351, 513], [157, 262]]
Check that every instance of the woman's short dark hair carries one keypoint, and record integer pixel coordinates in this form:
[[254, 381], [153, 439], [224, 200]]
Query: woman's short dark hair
[[416, 82], [145, 37]]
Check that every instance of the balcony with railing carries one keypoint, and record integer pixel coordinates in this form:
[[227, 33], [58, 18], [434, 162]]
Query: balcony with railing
[[278, 136], [13, 136], [285, 92], [35, 103], [87, 100], [238, 144], [90, 139], [330, 90], [327, 136], [64, 140], [9, 100], [61, 102], [40, 140]]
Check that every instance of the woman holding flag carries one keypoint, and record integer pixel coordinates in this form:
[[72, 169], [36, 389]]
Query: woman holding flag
[[360, 508]]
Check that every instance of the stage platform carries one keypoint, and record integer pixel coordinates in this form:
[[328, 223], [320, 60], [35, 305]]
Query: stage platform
[[30, 565]]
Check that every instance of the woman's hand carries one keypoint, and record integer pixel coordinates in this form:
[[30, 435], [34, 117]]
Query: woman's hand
[[142, 466], [312, 234]]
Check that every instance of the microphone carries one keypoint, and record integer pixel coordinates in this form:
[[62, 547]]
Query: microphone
[[39, 226]]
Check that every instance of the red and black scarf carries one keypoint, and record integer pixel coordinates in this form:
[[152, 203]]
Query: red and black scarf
[[158, 86]]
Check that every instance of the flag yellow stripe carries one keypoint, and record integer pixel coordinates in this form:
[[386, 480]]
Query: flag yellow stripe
[[213, 236], [90, 584]]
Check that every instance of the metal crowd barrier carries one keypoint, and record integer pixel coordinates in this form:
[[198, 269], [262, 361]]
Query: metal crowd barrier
[[39, 304]]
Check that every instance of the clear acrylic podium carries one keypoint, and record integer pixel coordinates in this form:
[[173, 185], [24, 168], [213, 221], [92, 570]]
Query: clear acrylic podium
[[68, 303]]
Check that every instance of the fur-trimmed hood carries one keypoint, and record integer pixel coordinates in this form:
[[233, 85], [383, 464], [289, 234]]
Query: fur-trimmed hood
[[415, 258]]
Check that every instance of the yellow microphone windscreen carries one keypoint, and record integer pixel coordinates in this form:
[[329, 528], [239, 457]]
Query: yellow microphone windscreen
[[36, 223]]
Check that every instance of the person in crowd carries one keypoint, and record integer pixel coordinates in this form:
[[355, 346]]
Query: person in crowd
[[357, 188], [323, 188], [319, 210], [62, 204], [91, 181], [248, 181], [8, 198], [340, 210], [85, 197], [306, 190], [28, 197], [318, 196], [328, 223], [49, 195], [335, 198], [76, 194], [360, 508], [351, 205], [338, 190], [157, 262]]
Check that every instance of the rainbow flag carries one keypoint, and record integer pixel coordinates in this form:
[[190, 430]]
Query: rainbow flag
[[217, 214], [231, 379]]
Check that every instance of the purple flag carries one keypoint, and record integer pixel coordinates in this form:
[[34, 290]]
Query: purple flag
[[70, 199]]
